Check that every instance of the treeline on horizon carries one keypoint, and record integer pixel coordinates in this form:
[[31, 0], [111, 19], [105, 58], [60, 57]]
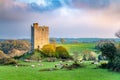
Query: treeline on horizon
[[72, 40]]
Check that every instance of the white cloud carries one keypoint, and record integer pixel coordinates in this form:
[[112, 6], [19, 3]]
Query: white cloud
[[64, 21]]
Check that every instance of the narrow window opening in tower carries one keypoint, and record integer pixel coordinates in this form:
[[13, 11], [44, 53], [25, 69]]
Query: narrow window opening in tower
[[38, 46], [42, 29]]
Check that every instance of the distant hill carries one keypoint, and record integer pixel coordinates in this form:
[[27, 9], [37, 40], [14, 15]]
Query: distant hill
[[85, 40], [73, 40]]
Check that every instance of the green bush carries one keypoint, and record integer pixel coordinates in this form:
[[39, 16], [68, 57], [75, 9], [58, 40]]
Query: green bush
[[61, 52], [108, 49], [37, 55], [34, 55], [112, 52], [49, 50]]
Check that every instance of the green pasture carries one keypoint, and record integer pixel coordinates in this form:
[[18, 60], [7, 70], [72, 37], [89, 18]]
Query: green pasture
[[90, 72], [78, 47]]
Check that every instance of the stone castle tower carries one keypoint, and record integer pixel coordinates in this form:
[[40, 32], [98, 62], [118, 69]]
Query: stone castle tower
[[39, 36]]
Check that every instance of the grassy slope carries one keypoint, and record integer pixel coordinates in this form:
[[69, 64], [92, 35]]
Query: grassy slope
[[78, 47], [29, 73]]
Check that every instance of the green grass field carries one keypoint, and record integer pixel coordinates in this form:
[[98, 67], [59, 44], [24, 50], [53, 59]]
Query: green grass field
[[28, 73], [78, 47]]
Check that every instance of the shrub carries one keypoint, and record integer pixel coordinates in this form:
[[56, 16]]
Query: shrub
[[49, 50], [8, 61], [88, 55], [61, 52], [115, 64], [34, 55], [37, 55], [2, 55], [104, 65], [8, 45], [108, 49], [4, 59], [112, 52], [75, 66]]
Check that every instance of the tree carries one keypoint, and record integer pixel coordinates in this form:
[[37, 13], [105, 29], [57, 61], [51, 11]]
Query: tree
[[2, 55], [8, 45], [117, 34], [108, 49], [53, 41], [4, 59], [62, 40], [49, 50], [62, 52]]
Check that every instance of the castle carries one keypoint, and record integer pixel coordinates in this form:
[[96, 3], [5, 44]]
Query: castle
[[39, 36]]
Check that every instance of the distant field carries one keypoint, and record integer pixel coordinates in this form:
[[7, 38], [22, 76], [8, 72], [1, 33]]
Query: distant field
[[78, 47], [29, 73]]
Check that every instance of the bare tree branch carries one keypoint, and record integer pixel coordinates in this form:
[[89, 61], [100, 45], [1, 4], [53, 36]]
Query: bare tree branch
[[117, 34]]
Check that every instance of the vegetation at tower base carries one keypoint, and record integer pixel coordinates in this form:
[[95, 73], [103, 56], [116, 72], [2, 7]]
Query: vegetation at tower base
[[50, 50], [61, 52], [33, 55], [112, 52], [37, 55]]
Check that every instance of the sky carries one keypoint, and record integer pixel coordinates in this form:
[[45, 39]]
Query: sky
[[65, 18]]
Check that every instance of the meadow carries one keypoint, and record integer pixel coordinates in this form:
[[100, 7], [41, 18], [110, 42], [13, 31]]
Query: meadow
[[89, 72], [79, 48]]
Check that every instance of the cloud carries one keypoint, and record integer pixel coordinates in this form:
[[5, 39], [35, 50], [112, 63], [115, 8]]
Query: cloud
[[95, 4], [10, 10], [66, 18]]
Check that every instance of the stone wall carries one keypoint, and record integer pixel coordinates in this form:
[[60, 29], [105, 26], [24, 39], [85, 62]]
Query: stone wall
[[39, 36]]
